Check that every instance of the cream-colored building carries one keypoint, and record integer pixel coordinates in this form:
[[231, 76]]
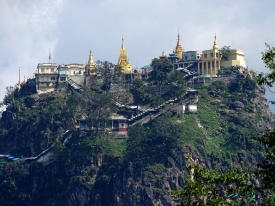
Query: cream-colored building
[[75, 69], [46, 76], [235, 58], [211, 61]]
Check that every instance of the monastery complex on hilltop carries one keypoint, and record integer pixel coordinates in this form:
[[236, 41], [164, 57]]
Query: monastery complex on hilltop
[[206, 63]]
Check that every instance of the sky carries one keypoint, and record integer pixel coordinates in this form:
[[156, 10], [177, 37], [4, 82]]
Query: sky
[[70, 28]]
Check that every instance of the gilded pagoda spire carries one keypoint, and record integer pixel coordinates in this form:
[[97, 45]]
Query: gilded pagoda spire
[[215, 46], [178, 50], [90, 65], [90, 61], [123, 61]]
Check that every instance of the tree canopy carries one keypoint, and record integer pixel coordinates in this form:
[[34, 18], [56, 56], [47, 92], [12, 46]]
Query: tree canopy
[[138, 89], [225, 50], [161, 67]]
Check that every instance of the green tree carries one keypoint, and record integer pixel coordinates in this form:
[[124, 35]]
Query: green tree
[[268, 80], [178, 87], [163, 138], [95, 108], [138, 90], [136, 145], [156, 100], [234, 187], [9, 96], [160, 70], [224, 71], [225, 51], [105, 68], [266, 169]]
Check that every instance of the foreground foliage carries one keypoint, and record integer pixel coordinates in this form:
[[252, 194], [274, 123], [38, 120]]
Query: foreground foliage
[[236, 187]]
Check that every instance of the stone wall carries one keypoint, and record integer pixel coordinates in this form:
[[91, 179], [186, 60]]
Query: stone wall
[[78, 79]]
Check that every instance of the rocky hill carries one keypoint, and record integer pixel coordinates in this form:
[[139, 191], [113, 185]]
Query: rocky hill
[[101, 169]]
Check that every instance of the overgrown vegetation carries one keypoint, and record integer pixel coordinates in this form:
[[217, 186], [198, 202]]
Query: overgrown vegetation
[[221, 131], [245, 187]]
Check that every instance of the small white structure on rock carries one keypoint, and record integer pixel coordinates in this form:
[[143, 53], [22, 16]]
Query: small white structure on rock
[[192, 108]]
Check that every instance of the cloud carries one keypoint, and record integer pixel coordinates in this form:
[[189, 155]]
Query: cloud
[[28, 30], [70, 28]]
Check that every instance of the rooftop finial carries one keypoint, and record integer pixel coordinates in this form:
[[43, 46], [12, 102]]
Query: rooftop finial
[[50, 56], [215, 46], [122, 42]]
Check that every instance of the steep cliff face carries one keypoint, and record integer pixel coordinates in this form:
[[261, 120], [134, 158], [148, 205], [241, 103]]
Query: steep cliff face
[[235, 112], [103, 170], [154, 189]]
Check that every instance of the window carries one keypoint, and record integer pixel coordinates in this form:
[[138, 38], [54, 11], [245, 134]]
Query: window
[[212, 55], [62, 79], [52, 78], [79, 72], [205, 56], [42, 69], [52, 69], [74, 72], [217, 54], [185, 57]]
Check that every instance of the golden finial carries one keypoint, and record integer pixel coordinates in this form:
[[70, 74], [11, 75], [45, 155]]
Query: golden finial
[[215, 46], [122, 43]]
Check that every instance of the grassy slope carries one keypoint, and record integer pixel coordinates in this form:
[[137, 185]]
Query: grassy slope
[[213, 139]]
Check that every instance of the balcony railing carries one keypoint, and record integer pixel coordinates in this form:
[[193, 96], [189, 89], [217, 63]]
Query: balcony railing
[[55, 72]]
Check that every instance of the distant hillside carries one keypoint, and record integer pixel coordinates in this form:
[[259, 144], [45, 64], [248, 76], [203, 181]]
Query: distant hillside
[[100, 168]]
